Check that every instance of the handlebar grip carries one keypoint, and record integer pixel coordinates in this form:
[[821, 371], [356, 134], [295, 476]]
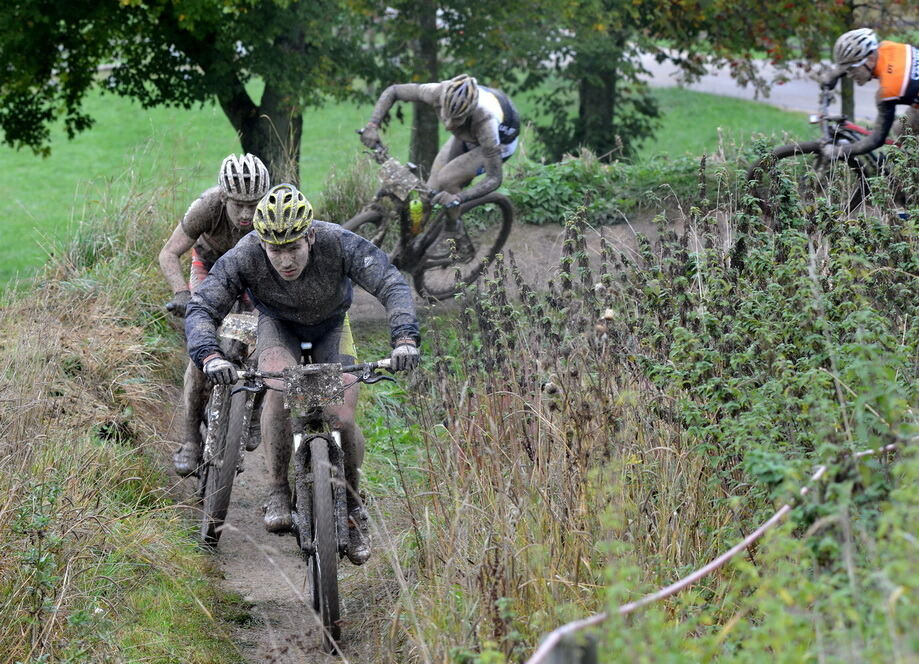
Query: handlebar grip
[[385, 363]]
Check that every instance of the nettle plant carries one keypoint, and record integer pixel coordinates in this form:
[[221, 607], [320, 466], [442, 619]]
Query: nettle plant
[[649, 409]]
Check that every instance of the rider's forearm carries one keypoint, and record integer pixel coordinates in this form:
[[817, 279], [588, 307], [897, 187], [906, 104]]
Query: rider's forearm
[[392, 94], [874, 140], [172, 270], [207, 308]]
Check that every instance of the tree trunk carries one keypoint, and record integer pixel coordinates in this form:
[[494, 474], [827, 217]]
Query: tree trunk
[[425, 123], [847, 96], [596, 107], [847, 87], [271, 131]]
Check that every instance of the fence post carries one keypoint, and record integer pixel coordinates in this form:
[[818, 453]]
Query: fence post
[[575, 649]]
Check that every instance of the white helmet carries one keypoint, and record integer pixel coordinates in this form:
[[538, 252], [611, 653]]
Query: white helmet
[[854, 47], [243, 178]]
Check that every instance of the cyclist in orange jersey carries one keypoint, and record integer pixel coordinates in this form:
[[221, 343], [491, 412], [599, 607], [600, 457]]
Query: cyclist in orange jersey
[[859, 55]]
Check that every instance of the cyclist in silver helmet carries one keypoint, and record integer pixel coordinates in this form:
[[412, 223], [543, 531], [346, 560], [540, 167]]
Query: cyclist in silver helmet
[[485, 128], [213, 225], [859, 55]]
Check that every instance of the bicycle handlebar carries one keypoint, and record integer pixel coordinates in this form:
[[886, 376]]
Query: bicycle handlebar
[[381, 155], [368, 367]]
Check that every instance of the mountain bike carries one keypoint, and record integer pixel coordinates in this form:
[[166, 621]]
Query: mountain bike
[[319, 500], [226, 429], [401, 221], [846, 182]]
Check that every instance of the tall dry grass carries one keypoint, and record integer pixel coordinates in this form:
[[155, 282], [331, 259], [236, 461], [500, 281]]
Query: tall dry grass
[[87, 529]]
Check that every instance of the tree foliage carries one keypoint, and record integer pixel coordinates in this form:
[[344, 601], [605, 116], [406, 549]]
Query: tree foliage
[[181, 53]]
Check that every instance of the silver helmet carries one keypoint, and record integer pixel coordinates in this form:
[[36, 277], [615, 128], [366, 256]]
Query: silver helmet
[[853, 47], [243, 178]]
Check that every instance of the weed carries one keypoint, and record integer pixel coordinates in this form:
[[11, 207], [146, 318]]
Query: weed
[[597, 440]]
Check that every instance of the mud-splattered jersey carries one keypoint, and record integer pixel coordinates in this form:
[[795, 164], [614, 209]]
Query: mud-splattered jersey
[[207, 223], [321, 293]]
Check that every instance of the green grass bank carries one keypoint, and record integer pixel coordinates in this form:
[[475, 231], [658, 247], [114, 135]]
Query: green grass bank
[[48, 198]]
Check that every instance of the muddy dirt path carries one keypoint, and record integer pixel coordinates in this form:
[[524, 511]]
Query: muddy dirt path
[[266, 569]]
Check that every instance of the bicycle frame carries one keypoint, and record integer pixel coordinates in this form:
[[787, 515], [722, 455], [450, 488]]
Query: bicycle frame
[[308, 389], [838, 128], [398, 182]]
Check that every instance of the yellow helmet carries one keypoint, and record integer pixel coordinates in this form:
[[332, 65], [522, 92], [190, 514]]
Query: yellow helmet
[[283, 215]]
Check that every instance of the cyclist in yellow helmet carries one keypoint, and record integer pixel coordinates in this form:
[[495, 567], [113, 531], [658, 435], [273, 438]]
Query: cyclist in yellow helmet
[[214, 222], [299, 272], [485, 128], [860, 55]]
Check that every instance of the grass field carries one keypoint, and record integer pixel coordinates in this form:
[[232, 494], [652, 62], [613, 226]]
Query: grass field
[[47, 198]]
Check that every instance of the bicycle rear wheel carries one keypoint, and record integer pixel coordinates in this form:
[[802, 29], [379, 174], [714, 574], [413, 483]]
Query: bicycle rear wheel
[[217, 475], [324, 561], [487, 224]]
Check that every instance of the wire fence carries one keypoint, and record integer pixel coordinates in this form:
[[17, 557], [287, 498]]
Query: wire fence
[[552, 640]]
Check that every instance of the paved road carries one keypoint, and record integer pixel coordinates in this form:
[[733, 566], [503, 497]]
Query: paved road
[[799, 94]]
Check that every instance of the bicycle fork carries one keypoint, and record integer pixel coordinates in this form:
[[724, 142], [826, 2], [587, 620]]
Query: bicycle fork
[[302, 515]]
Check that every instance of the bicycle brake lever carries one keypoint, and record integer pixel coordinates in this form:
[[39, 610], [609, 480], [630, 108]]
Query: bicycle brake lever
[[246, 388], [372, 377]]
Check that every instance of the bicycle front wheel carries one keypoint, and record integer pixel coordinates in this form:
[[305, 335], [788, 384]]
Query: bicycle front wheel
[[370, 223], [797, 174], [219, 472], [324, 561], [486, 223]]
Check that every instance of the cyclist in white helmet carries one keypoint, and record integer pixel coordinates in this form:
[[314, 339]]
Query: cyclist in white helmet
[[213, 224], [484, 125], [859, 55]]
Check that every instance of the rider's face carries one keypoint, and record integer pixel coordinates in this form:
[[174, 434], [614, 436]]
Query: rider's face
[[864, 72], [454, 123], [292, 258], [241, 213]]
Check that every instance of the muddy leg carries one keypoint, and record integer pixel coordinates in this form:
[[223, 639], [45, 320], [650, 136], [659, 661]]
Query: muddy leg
[[352, 439], [195, 392], [277, 438]]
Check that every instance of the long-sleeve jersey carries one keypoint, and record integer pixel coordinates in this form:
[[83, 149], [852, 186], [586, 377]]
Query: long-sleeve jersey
[[321, 293], [493, 124], [207, 223], [897, 71]]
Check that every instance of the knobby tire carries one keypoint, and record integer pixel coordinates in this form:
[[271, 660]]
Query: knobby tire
[[369, 224], [217, 477], [441, 282], [324, 562]]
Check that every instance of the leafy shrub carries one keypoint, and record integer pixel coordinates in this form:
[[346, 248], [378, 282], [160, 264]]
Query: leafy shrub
[[596, 441], [549, 193]]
